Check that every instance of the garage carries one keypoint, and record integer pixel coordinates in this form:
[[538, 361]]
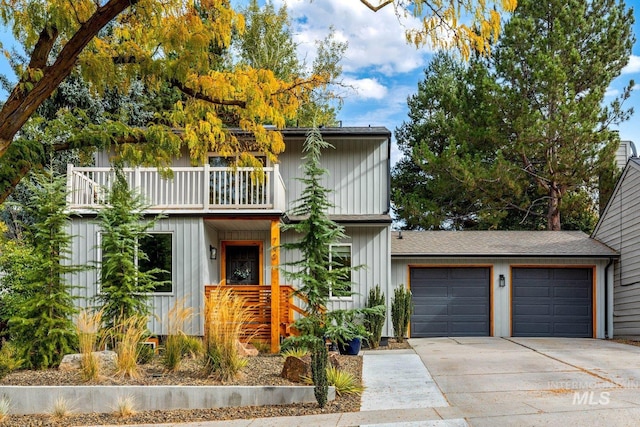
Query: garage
[[450, 301], [552, 302]]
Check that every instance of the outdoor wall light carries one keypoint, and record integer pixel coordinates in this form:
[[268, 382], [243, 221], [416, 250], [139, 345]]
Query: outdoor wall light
[[213, 252], [501, 281]]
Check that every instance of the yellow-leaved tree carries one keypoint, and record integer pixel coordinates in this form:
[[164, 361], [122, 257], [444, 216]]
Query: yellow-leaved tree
[[169, 45], [468, 25]]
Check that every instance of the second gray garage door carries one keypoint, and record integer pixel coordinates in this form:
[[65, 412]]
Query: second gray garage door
[[552, 302], [450, 302]]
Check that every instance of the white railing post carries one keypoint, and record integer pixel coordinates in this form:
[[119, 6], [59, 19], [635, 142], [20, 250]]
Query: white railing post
[[70, 189], [275, 181], [206, 187]]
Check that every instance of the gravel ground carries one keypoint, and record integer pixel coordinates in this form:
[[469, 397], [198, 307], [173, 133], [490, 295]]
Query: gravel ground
[[261, 370]]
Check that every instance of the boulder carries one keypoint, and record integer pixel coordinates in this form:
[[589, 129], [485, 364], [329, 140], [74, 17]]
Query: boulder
[[71, 362], [296, 369]]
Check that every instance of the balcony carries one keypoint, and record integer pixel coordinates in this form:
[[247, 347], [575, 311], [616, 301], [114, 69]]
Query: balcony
[[191, 189]]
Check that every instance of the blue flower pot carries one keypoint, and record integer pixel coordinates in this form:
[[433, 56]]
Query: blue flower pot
[[351, 348]]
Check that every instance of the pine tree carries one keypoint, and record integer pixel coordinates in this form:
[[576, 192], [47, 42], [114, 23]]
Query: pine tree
[[556, 59], [124, 289], [314, 269], [42, 325]]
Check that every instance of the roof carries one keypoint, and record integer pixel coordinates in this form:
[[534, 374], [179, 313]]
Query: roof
[[370, 131], [498, 243]]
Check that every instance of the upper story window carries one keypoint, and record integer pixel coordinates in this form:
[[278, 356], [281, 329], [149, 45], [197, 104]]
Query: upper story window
[[218, 161], [340, 256]]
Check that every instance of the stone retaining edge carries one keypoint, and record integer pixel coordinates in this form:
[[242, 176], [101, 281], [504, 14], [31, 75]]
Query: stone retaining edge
[[87, 399]]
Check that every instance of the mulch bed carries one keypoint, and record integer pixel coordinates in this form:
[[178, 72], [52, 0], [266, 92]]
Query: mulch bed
[[261, 370]]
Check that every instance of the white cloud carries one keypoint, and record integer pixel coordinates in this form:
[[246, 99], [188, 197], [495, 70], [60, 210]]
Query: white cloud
[[366, 88], [633, 66], [376, 40]]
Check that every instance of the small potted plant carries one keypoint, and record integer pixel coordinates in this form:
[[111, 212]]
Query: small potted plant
[[345, 328]]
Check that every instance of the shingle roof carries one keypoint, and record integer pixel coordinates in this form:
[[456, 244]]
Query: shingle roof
[[498, 243]]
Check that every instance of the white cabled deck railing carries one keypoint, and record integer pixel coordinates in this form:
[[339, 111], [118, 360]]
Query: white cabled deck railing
[[196, 189]]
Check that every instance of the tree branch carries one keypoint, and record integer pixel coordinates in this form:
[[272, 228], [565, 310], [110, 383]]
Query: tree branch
[[198, 95], [378, 7]]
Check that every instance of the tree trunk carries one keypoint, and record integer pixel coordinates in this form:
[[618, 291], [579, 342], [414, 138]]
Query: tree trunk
[[553, 212]]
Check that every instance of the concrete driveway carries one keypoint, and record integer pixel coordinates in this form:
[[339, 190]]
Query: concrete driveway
[[535, 381]]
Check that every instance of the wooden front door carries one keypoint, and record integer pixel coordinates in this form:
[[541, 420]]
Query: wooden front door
[[242, 263]]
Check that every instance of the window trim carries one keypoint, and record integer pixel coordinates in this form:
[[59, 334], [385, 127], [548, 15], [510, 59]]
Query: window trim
[[350, 296]]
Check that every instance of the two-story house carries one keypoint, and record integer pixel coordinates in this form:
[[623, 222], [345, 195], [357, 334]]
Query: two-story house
[[222, 225]]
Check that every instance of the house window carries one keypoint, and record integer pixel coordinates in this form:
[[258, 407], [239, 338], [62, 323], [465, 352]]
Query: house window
[[340, 256], [158, 248]]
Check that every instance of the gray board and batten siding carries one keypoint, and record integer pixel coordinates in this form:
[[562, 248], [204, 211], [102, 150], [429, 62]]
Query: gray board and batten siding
[[498, 253], [189, 268], [619, 228]]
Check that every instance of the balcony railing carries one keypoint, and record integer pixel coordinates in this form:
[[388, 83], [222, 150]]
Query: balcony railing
[[194, 189]]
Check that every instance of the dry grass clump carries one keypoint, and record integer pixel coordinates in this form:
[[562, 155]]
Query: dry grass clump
[[225, 317], [88, 327], [60, 408], [128, 335], [125, 406], [177, 342]]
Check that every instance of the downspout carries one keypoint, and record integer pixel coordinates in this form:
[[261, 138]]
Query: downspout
[[606, 299]]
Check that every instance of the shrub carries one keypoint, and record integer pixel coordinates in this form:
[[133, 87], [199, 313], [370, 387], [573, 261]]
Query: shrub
[[88, 326], [401, 309], [10, 359], [191, 346], [225, 317], [295, 352], [146, 352], [343, 381], [373, 321]]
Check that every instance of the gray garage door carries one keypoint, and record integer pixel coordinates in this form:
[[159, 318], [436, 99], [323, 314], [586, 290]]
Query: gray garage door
[[552, 302], [450, 302]]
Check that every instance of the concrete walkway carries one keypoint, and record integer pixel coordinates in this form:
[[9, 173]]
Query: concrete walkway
[[399, 392]]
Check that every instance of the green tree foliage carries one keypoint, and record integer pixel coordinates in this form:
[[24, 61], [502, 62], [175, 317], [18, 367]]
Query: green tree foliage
[[314, 270], [41, 325], [124, 288], [523, 140], [267, 43], [557, 59]]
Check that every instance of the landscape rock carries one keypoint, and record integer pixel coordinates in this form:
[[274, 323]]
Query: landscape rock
[[71, 362], [246, 349], [297, 368]]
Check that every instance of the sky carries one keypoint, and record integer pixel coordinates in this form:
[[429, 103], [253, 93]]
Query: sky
[[382, 68]]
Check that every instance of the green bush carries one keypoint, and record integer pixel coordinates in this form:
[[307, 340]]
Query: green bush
[[9, 359], [373, 321], [401, 310]]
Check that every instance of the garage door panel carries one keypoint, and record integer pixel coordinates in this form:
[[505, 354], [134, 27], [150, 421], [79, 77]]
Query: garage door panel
[[534, 310], [450, 301], [467, 291], [532, 291], [531, 273], [559, 306], [437, 291]]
